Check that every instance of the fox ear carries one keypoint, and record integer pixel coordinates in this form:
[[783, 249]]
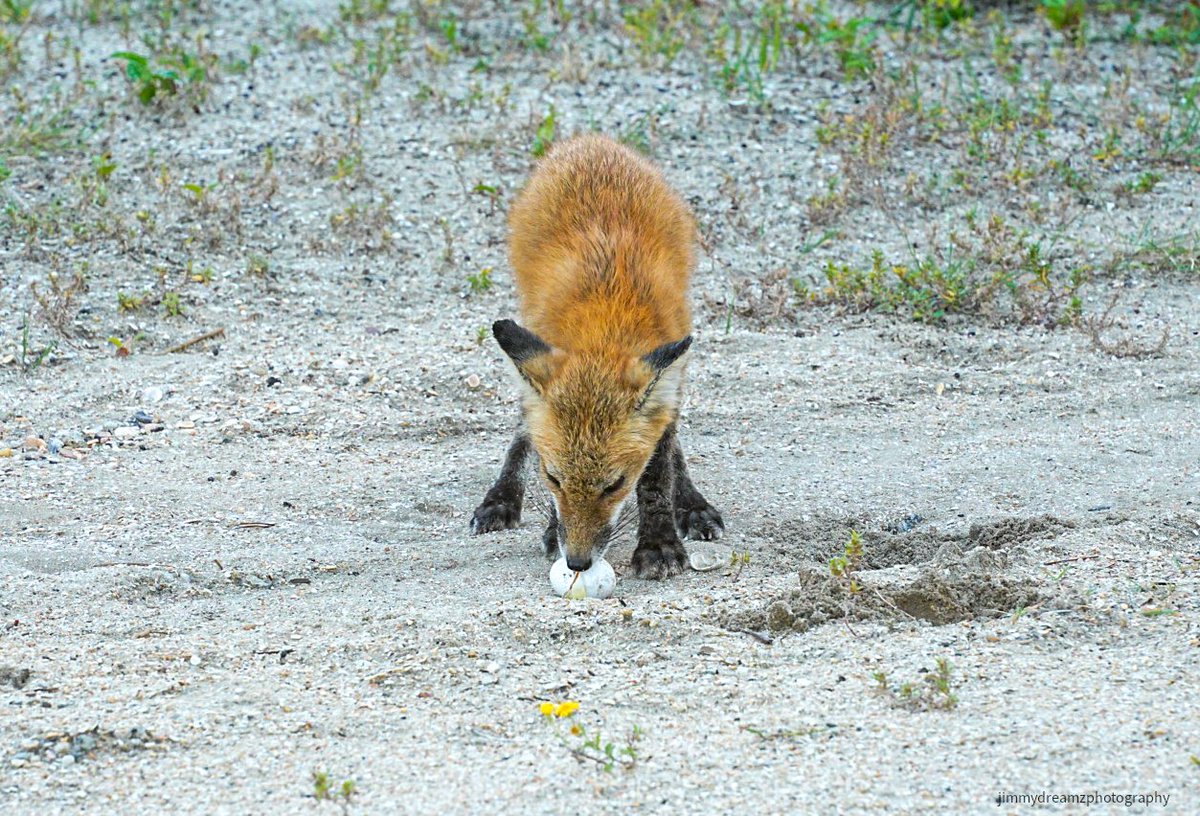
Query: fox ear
[[666, 382], [528, 352]]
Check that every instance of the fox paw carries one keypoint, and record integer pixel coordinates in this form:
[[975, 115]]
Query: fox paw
[[661, 560], [495, 514], [701, 522]]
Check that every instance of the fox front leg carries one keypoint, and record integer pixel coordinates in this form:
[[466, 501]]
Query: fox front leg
[[659, 553], [501, 507], [694, 516]]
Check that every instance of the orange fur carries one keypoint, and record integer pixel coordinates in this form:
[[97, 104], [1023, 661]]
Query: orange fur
[[602, 250]]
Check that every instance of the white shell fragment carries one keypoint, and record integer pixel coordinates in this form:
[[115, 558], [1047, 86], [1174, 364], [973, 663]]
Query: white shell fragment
[[705, 560], [598, 581]]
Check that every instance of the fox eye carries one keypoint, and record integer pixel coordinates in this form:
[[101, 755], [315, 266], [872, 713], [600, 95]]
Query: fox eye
[[553, 480], [614, 487]]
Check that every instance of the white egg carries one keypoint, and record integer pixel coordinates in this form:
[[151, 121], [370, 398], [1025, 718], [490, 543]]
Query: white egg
[[597, 581]]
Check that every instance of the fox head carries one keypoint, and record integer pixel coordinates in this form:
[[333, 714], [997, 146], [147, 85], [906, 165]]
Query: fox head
[[594, 419]]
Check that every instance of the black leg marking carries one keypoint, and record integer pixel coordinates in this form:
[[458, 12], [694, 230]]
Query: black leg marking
[[694, 516], [501, 507], [550, 537], [659, 553]]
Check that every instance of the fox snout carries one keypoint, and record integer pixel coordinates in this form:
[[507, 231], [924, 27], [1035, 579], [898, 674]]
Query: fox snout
[[581, 545]]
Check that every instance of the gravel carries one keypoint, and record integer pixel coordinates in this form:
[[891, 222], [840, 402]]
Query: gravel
[[227, 568]]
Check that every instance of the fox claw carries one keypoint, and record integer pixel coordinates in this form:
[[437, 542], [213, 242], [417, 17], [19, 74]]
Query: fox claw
[[495, 515], [660, 560], [703, 522]]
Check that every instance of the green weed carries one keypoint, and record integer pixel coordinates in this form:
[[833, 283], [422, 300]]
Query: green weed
[[934, 691], [481, 281], [326, 790], [32, 360], [658, 27], [154, 78], [852, 40], [258, 266], [1142, 185], [1064, 15], [844, 567], [544, 137], [130, 303], [991, 270]]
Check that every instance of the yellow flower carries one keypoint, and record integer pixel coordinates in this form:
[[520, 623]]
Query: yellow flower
[[566, 708], [546, 708], [576, 730]]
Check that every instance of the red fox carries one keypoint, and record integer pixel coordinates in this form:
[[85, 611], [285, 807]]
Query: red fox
[[602, 250]]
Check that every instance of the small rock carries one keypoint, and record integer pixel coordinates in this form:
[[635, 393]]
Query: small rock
[[473, 381], [126, 432], [152, 394], [55, 446], [142, 418], [6, 453], [194, 660], [35, 444]]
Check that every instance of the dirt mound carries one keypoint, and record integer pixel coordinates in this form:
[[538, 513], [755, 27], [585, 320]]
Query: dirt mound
[[939, 599], [1006, 533], [903, 540], [961, 577]]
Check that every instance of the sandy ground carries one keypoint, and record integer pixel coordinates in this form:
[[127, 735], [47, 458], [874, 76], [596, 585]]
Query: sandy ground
[[267, 573]]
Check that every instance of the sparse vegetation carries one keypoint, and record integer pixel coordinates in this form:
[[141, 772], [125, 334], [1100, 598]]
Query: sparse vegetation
[[481, 281], [325, 789], [544, 137], [590, 746], [932, 692]]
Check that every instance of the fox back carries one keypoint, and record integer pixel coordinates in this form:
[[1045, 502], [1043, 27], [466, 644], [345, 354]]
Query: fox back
[[602, 250]]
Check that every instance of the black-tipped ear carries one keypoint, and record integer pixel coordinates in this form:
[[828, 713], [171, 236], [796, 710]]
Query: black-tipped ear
[[666, 385], [521, 345], [662, 357], [529, 353]]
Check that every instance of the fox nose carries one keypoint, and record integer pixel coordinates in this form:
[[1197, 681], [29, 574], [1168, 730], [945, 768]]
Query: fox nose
[[579, 563]]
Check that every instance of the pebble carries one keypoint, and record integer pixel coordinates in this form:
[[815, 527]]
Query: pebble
[[142, 418], [33, 443], [473, 381], [152, 394], [6, 453], [55, 446], [126, 432]]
